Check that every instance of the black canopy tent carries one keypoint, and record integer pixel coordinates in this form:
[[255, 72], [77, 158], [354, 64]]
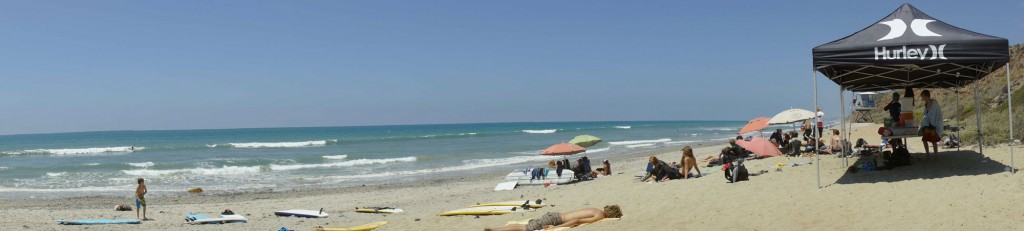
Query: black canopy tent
[[908, 48]]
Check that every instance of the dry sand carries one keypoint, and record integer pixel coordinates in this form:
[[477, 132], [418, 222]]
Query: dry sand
[[963, 190]]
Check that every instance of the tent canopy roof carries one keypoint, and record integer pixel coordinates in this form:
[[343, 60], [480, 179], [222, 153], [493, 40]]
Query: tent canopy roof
[[910, 48]]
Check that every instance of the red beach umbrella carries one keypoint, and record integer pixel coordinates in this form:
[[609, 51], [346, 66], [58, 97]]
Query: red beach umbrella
[[563, 149], [755, 125], [760, 146]]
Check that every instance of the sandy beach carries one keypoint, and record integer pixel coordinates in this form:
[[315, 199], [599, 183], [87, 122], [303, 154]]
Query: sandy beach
[[960, 191]]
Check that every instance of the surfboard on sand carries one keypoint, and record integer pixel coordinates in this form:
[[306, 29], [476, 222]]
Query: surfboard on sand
[[484, 210], [523, 176], [99, 221], [388, 210], [506, 185], [533, 204], [199, 219], [364, 227], [302, 213]]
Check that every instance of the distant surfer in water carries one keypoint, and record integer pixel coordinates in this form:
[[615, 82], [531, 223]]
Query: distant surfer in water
[[567, 219]]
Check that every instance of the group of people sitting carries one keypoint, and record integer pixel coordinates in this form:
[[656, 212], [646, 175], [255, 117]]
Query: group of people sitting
[[791, 144], [661, 171], [583, 170]]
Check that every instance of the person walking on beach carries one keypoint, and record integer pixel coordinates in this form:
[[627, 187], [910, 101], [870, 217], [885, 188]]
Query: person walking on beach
[[567, 219], [140, 199], [931, 124]]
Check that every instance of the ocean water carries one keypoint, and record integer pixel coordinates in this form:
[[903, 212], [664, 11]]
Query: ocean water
[[107, 163]]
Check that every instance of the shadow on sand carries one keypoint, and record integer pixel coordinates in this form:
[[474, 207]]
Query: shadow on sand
[[948, 164]]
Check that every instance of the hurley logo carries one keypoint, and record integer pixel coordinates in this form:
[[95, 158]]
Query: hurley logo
[[897, 27], [920, 28]]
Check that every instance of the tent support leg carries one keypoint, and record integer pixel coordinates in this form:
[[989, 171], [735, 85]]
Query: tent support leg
[[959, 121], [817, 156], [842, 126], [977, 118], [1009, 101]]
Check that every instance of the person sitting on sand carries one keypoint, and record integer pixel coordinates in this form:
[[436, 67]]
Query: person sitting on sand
[[689, 163], [661, 171], [776, 137], [836, 144], [566, 219], [604, 170]]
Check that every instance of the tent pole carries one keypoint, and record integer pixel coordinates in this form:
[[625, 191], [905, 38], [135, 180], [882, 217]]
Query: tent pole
[[817, 158], [1009, 101], [977, 118], [959, 122], [842, 126]]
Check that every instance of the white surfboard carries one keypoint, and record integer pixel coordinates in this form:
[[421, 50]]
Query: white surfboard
[[199, 219], [551, 176], [387, 210], [302, 213]]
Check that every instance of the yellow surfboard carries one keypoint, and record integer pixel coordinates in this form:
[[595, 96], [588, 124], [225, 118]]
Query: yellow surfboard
[[533, 204], [366, 227], [379, 210], [485, 210]]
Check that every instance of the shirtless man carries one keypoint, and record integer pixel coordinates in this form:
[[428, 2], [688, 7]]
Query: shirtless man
[[567, 219]]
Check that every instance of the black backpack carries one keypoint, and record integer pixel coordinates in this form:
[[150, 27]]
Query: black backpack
[[901, 157], [741, 173]]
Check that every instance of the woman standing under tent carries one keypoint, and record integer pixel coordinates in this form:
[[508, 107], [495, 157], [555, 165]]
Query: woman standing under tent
[[931, 124]]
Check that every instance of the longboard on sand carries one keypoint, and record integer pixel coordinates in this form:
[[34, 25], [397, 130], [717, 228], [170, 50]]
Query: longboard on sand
[[199, 219], [485, 210], [532, 204], [302, 213], [388, 210], [99, 222], [365, 227]]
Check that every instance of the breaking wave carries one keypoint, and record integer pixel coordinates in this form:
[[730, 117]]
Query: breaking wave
[[343, 163], [223, 170], [335, 157], [623, 127], [633, 142], [598, 150], [639, 145], [314, 143], [142, 165], [78, 151], [466, 165], [548, 131]]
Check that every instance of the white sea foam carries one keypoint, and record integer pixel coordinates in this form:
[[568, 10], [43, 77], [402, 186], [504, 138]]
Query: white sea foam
[[56, 174], [92, 164], [82, 189], [142, 165], [720, 129], [548, 131], [335, 157], [623, 127], [3, 167], [639, 145], [598, 150], [223, 170], [78, 151], [342, 164], [680, 142], [467, 165], [211, 145], [632, 142], [280, 144]]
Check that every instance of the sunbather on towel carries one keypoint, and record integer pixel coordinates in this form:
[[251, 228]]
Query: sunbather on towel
[[566, 219]]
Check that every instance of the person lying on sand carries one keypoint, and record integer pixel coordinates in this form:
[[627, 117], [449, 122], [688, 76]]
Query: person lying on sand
[[604, 170], [566, 219]]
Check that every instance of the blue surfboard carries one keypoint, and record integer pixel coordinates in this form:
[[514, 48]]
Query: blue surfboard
[[99, 221]]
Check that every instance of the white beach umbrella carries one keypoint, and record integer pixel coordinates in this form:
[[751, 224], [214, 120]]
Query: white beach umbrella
[[791, 116]]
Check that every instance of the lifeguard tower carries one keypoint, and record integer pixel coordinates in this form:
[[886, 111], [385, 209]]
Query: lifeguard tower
[[862, 106]]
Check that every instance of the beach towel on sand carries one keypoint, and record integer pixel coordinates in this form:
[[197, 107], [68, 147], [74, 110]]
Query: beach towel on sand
[[523, 222]]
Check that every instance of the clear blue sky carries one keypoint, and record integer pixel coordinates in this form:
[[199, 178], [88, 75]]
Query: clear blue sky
[[119, 65]]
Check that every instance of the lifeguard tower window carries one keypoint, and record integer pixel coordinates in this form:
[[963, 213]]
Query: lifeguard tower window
[[862, 106]]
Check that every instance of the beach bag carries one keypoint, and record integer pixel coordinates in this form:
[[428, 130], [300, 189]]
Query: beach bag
[[739, 169], [901, 156]]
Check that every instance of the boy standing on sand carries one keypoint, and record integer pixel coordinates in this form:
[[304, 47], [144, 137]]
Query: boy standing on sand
[[140, 199]]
